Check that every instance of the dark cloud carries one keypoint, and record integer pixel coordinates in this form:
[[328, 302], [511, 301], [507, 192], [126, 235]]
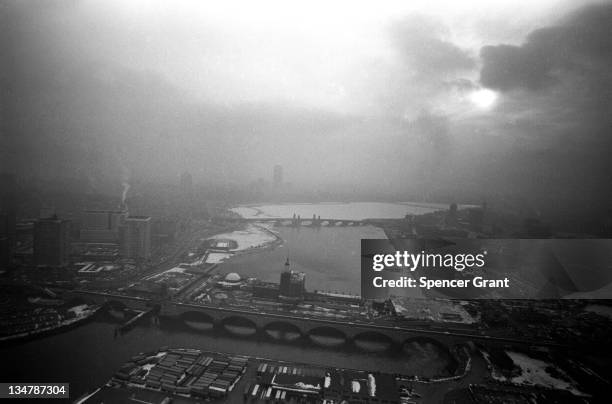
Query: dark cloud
[[507, 67], [556, 105], [579, 45]]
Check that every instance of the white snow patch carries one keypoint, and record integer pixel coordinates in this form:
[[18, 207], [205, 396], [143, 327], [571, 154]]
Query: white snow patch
[[251, 237], [307, 386], [175, 269], [533, 372], [372, 384], [215, 258], [79, 310]]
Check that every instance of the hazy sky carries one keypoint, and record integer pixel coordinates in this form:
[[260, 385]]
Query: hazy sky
[[493, 96]]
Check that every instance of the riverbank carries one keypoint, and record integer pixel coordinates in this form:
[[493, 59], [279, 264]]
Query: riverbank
[[252, 239]]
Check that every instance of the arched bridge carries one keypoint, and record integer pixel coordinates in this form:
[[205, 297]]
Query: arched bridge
[[308, 326], [299, 221], [292, 324]]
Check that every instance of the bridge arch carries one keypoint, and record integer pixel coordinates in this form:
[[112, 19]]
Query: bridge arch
[[198, 320], [282, 331], [372, 341], [327, 336], [238, 325]]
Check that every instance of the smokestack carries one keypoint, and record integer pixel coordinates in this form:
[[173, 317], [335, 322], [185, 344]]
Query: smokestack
[[126, 188]]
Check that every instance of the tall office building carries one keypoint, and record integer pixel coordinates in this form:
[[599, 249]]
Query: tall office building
[[135, 237], [51, 242], [277, 176], [102, 226], [186, 185]]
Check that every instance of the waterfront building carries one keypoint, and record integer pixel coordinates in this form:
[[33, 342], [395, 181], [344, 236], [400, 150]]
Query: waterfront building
[[135, 237], [266, 290], [231, 281], [292, 283], [51, 242]]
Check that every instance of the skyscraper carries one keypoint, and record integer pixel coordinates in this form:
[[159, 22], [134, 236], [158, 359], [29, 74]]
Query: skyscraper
[[51, 242], [277, 176], [135, 237], [102, 226], [186, 185]]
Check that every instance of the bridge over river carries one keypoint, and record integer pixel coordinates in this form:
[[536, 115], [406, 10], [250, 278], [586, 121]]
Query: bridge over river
[[347, 330], [253, 321], [312, 222]]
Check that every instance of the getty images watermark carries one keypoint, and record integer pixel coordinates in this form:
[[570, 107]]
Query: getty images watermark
[[485, 268]]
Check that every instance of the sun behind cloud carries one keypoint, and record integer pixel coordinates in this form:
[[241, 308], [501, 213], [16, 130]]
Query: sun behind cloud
[[483, 98]]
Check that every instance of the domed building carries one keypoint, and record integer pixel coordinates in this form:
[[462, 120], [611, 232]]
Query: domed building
[[232, 277], [231, 280]]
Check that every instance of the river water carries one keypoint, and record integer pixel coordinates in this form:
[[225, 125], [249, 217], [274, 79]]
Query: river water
[[329, 256], [88, 355]]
